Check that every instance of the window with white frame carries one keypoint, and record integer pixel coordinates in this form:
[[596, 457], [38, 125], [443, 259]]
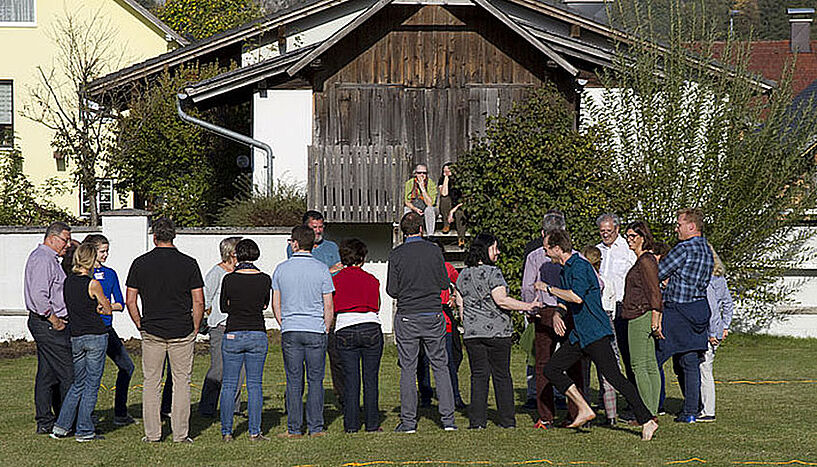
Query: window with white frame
[[104, 197], [6, 114], [17, 12]]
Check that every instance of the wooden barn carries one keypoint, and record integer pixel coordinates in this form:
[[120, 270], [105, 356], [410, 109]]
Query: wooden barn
[[351, 94]]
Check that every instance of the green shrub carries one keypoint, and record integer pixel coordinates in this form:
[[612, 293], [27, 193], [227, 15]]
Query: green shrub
[[284, 207]]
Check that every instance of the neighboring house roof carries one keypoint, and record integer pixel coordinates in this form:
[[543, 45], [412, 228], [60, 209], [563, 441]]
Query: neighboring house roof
[[230, 39], [143, 12], [770, 58]]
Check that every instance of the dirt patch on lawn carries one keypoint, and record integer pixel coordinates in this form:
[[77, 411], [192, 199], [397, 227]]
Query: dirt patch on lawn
[[21, 348]]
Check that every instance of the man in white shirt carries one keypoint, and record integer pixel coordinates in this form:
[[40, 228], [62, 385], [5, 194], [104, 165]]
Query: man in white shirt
[[616, 260]]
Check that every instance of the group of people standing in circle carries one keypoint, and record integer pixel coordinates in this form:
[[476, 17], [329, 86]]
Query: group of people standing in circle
[[324, 301]]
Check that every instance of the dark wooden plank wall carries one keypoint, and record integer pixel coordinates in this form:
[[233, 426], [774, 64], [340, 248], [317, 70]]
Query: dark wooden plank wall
[[422, 78]]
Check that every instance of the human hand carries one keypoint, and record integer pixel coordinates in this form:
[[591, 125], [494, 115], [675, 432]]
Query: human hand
[[450, 218], [59, 325], [713, 340], [725, 333], [559, 324], [540, 286]]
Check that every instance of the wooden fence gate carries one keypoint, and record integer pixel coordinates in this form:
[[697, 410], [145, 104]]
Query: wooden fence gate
[[357, 183]]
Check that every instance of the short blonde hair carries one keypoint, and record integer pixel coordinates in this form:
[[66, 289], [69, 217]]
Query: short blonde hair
[[84, 258], [693, 215], [227, 247]]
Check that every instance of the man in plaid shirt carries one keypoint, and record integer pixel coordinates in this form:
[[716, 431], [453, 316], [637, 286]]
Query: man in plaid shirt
[[683, 331]]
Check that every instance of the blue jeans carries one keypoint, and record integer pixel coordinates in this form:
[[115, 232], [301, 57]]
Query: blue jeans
[[89, 364], [116, 350], [304, 349], [356, 344], [247, 349]]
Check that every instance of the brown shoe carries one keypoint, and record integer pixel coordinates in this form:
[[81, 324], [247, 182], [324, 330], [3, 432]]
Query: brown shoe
[[318, 434], [288, 435], [446, 228], [258, 437]]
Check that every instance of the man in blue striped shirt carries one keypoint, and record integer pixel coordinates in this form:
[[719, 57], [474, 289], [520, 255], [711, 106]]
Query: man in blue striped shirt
[[685, 322]]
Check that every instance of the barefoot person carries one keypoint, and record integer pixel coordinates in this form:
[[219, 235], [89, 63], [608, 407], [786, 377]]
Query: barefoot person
[[580, 296]]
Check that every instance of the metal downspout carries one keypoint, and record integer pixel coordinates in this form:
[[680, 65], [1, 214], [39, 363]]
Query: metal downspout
[[229, 134]]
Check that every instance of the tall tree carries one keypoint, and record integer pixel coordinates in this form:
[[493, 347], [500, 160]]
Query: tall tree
[[86, 50], [688, 131]]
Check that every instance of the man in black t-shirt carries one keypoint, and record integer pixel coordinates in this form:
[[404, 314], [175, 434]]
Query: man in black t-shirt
[[170, 285]]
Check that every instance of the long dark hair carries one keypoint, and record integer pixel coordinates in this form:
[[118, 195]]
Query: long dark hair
[[478, 253], [643, 230]]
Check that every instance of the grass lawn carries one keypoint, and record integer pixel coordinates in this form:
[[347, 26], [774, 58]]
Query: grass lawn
[[758, 424]]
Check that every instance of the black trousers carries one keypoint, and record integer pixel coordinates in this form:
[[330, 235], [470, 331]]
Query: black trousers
[[490, 358], [55, 370], [601, 353]]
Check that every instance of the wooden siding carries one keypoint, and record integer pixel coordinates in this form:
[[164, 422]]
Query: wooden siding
[[424, 79]]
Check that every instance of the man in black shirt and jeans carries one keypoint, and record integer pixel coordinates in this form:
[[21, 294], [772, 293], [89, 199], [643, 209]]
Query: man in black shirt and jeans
[[416, 276], [171, 288]]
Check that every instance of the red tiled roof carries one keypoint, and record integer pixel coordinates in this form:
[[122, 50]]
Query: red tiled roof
[[769, 58]]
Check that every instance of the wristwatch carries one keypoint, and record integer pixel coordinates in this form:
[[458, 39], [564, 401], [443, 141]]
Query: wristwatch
[[548, 289]]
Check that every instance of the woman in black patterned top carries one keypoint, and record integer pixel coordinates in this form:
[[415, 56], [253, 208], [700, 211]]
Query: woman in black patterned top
[[485, 306]]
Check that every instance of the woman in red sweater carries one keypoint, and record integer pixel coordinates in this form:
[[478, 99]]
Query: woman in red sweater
[[358, 334]]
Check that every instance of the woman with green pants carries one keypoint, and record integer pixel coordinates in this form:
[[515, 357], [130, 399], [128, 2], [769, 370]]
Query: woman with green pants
[[642, 306]]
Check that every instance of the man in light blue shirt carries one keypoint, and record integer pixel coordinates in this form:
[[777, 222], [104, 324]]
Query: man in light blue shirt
[[303, 306], [327, 252]]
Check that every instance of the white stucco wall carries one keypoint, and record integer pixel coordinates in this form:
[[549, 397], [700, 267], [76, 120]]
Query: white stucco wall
[[283, 119], [129, 238]]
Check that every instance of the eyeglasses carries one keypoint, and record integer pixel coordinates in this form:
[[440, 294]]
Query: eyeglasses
[[421, 173], [290, 240], [632, 236], [64, 240]]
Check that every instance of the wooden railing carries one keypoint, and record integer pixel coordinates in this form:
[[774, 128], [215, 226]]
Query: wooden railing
[[357, 183]]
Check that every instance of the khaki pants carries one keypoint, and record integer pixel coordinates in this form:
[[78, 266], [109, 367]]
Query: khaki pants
[[180, 353]]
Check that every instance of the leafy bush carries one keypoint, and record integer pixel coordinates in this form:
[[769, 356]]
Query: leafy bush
[[175, 168], [21, 202], [529, 161], [283, 207]]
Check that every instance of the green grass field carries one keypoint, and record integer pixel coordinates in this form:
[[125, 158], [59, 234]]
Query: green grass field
[[758, 424]]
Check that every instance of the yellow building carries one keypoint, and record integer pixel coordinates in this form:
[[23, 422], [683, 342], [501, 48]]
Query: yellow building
[[27, 29]]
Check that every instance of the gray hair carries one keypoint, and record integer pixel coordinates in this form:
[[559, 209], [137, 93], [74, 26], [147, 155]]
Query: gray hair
[[420, 165], [553, 220], [56, 228], [608, 216], [227, 247]]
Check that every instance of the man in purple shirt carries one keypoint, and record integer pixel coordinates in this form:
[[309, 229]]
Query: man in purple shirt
[[48, 324]]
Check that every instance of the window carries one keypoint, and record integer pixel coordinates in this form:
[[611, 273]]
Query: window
[[104, 197], [6, 114], [17, 13]]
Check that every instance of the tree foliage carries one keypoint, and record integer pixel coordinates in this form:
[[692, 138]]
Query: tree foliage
[[197, 19], [686, 133], [21, 202], [86, 50], [530, 160], [172, 167]]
